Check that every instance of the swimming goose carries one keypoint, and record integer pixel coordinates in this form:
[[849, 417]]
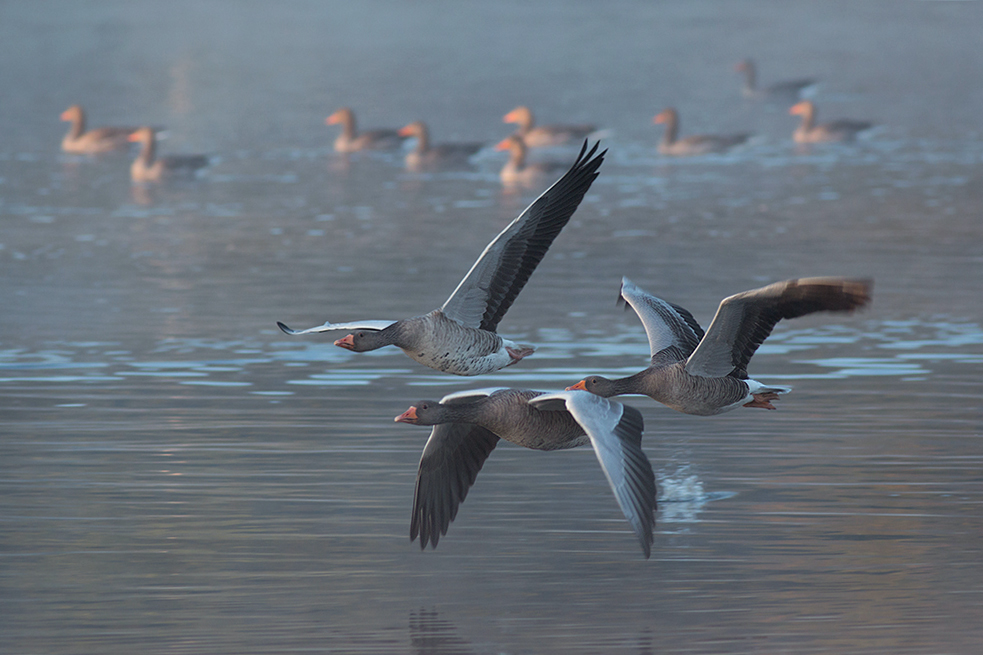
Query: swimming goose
[[149, 168], [460, 338], [538, 136], [517, 170], [351, 141], [468, 425], [706, 374], [809, 132], [425, 155], [779, 91], [697, 144], [102, 139]]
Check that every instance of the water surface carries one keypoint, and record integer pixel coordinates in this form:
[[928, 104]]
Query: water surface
[[176, 475]]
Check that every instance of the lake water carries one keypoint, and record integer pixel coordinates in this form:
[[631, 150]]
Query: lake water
[[177, 476]]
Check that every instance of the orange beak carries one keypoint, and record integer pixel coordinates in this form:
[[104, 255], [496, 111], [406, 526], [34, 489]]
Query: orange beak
[[580, 386], [504, 144], [347, 342], [65, 116], [797, 108], [409, 416], [659, 118], [510, 117], [333, 119], [133, 136], [405, 131]]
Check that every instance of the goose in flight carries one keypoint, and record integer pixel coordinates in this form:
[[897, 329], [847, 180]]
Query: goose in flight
[[468, 425], [706, 373], [460, 337]]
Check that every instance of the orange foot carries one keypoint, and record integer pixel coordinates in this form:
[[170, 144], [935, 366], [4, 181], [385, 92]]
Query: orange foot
[[518, 353], [763, 400]]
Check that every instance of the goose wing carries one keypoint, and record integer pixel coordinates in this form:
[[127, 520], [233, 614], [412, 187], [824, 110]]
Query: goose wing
[[330, 327], [743, 321], [454, 454], [488, 290], [615, 431], [672, 331]]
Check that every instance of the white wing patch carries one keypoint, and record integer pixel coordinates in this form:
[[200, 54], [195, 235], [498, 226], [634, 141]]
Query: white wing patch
[[471, 394], [331, 327]]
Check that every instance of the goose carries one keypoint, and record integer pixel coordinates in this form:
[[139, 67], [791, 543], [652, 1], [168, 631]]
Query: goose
[[786, 90], [459, 337], [706, 373], [351, 141], [697, 144], [425, 155], [81, 142], [808, 132], [538, 136], [517, 170], [149, 168], [468, 425]]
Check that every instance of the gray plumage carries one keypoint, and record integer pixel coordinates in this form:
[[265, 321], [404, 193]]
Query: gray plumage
[[706, 373], [460, 337], [467, 426], [695, 144], [784, 91]]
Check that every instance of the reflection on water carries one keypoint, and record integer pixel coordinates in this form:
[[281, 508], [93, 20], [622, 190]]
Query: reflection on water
[[177, 476]]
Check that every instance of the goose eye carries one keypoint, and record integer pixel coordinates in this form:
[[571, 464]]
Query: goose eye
[[360, 334]]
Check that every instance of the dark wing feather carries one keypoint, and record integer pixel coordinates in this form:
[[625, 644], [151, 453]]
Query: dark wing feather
[[492, 284], [743, 321], [186, 162], [454, 454], [847, 125]]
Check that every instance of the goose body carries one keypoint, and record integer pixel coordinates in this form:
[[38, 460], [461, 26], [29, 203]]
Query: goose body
[[697, 144], [706, 373], [350, 140], [147, 167], [779, 91], [426, 155], [468, 425], [82, 142], [517, 171], [539, 136], [460, 337], [809, 131]]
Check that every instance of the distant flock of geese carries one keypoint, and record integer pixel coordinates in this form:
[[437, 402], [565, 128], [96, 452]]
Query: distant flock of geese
[[691, 370], [148, 167]]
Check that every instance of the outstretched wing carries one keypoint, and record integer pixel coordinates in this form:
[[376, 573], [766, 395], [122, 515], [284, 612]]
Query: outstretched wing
[[615, 431], [330, 327], [743, 321], [488, 290], [454, 454], [672, 331]]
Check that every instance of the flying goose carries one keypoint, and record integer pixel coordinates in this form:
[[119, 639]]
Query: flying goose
[[706, 373], [468, 425], [460, 337]]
